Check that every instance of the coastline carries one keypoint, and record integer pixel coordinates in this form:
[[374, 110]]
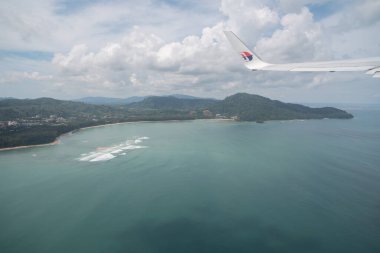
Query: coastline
[[56, 142]]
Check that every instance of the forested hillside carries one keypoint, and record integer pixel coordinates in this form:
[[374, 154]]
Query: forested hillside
[[37, 121]]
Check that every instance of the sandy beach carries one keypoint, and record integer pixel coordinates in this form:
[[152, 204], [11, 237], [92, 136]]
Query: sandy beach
[[31, 146]]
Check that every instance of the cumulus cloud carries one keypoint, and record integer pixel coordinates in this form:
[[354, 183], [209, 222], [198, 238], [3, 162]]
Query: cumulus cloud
[[143, 63], [244, 15], [16, 76], [299, 38], [197, 63], [158, 47], [137, 50]]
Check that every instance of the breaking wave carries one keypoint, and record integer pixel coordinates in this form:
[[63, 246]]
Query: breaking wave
[[108, 153]]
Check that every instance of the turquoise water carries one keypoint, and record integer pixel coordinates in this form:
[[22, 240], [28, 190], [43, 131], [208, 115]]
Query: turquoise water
[[198, 186]]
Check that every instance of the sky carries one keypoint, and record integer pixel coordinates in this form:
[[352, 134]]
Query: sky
[[68, 49]]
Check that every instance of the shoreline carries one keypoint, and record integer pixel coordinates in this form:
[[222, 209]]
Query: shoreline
[[57, 141]]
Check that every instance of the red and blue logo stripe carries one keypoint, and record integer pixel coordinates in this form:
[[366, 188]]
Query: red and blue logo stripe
[[247, 56]]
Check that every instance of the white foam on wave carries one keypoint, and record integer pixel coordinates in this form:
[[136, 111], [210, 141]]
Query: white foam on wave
[[103, 157], [131, 147], [117, 151], [108, 153]]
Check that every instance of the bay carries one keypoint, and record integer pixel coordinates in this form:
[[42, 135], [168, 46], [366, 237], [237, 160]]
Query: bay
[[198, 186]]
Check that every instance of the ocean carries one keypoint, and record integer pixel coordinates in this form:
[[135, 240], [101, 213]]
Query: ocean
[[198, 186]]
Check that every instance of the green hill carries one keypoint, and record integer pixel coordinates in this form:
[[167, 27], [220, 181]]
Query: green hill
[[123, 101], [11, 109], [247, 107]]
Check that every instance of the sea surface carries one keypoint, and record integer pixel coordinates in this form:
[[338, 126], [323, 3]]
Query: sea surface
[[198, 186]]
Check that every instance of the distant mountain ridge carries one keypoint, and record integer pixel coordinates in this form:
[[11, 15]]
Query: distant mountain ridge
[[108, 100], [3, 98], [125, 101], [173, 103]]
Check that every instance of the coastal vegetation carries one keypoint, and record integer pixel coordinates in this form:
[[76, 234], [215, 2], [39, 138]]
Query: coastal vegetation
[[37, 121], [248, 107]]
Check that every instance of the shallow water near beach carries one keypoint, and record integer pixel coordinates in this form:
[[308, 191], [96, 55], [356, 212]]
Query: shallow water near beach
[[198, 186]]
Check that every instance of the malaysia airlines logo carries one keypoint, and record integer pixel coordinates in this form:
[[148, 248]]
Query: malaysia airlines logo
[[246, 56]]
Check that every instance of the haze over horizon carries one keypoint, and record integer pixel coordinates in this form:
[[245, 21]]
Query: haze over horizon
[[69, 49]]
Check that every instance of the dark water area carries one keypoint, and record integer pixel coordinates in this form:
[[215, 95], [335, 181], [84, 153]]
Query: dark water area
[[198, 186]]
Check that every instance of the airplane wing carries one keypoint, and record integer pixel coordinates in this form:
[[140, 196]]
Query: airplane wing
[[252, 61]]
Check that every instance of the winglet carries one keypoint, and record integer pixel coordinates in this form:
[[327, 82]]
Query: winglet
[[251, 60]]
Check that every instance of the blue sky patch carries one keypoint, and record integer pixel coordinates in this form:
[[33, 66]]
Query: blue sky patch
[[66, 7], [321, 11], [34, 55]]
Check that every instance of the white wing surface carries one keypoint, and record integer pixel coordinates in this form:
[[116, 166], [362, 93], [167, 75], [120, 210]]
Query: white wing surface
[[370, 66]]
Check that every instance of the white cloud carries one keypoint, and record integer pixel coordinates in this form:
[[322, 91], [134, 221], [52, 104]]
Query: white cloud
[[353, 32], [296, 5], [298, 39], [150, 47], [248, 16], [17, 76], [137, 50], [188, 64]]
